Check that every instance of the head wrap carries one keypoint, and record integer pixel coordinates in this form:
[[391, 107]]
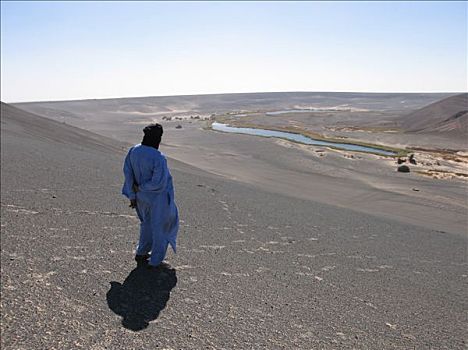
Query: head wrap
[[153, 134]]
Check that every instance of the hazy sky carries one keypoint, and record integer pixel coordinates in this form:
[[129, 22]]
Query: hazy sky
[[75, 50]]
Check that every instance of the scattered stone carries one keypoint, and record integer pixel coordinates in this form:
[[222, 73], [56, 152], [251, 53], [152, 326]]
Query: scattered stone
[[400, 161], [409, 336], [415, 189], [411, 159], [178, 126], [404, 169]]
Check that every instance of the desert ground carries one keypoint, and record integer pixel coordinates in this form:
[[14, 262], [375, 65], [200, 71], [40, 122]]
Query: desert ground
[[432, 195], [282, 245]]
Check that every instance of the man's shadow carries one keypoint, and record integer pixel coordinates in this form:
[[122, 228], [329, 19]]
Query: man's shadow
[[142, 296]]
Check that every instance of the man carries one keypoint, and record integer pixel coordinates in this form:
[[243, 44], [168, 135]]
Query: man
[[148, 185]]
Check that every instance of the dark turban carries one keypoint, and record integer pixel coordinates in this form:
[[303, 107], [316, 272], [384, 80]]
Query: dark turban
[[153, 134]]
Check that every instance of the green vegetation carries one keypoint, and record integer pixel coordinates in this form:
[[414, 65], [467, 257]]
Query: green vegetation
[[399, 152]]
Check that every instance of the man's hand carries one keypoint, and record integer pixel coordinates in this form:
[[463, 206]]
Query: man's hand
[[133, 203]]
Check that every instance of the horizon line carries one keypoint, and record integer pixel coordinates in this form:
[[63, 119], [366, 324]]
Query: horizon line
[[239, 93]]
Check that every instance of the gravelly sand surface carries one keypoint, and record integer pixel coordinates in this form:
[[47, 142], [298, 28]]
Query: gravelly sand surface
[[254, 270]]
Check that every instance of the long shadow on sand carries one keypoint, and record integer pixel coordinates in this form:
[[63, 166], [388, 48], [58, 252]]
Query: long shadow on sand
[[142, 296]]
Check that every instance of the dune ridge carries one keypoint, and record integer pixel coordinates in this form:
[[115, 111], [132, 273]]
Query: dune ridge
[[447, 116]]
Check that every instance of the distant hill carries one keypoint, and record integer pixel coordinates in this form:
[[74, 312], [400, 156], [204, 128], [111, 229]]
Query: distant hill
[[222, 103], [448, 116], [18, 123]]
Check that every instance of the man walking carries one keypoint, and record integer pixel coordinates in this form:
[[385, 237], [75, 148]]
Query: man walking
[[148, 185]]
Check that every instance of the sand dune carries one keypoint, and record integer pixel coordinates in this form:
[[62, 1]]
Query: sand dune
[[21, 123], [448, 116]]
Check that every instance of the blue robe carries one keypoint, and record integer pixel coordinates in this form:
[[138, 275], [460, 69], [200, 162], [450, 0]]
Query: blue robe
[[146, 167]]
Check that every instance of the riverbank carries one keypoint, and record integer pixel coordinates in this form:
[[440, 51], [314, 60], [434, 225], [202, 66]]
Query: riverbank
[[431, 159], [294, 134]]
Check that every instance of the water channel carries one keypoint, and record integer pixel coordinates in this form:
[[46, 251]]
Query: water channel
[[299, 138]]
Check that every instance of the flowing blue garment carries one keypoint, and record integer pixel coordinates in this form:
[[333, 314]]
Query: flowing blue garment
[[146, 167]]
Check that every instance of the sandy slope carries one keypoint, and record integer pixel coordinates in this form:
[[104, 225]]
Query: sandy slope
[[255, 269], [448, 116]]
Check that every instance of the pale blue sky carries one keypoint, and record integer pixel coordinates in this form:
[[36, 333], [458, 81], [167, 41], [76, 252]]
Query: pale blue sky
[[75, 50]]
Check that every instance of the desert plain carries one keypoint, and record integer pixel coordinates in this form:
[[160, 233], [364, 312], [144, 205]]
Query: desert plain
[[282, 245]]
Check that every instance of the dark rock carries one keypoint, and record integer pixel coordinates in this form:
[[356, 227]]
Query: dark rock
[[178, 126], [404, 169], [411, 159], [400, 161]]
